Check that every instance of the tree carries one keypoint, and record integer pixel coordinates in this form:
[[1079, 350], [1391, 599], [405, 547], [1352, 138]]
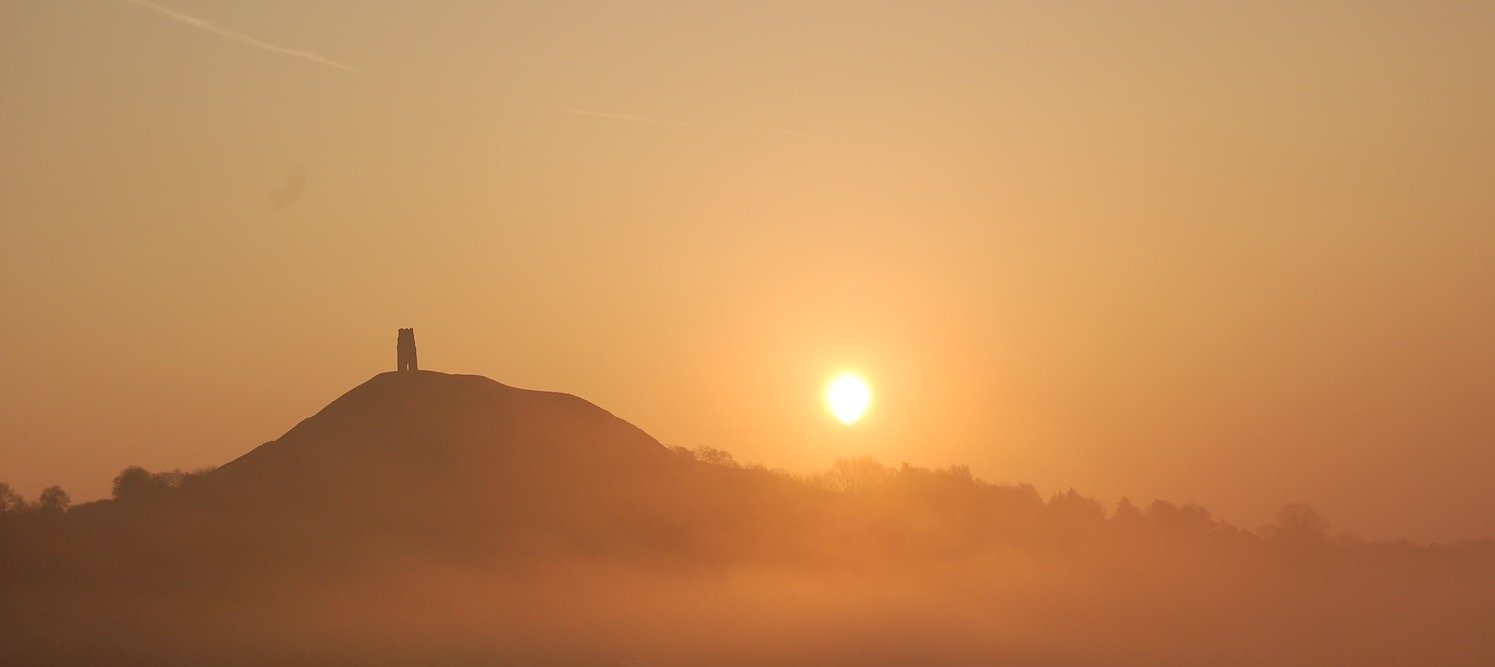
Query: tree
[[1299, 523], [53, 500], [715, 456], [1171, 518], [1072, 508], [852, 475], [136, 483], [10, 501]]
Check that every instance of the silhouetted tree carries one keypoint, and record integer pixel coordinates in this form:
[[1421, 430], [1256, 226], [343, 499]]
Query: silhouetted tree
[[138, 484], [10, 501], [53, 500], [170, 478], [1073, 508], [1171, 518], [715, 456], [852, 475], [1299, 523]]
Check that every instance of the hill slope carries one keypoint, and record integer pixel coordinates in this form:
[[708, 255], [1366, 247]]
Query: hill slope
[[462, 459]]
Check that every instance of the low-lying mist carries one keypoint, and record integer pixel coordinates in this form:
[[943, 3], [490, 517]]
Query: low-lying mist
[[859, 564]]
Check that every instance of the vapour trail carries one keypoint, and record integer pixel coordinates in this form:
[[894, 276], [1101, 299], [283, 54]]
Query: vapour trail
[[215, 29]]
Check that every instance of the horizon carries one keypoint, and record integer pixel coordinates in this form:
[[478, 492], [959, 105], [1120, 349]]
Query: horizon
[[1232, 255], [434, 518], [1109, 505]]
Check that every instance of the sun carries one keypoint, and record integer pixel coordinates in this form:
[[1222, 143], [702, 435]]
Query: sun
[[847, 396]]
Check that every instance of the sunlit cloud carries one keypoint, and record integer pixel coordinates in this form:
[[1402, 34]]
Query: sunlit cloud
[[215, 29]]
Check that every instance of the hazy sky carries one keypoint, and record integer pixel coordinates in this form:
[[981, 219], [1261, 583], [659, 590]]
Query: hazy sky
[[1240, 254]]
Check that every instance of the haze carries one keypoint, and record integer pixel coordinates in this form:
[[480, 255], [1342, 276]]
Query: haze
[[1236, 254]]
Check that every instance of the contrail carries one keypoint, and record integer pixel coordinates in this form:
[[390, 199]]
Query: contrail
[[214, 28]]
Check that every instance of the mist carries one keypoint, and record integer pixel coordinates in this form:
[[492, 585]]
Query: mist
[[898, 565]]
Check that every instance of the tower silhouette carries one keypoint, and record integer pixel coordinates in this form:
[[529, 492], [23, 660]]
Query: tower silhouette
[[405, 351]]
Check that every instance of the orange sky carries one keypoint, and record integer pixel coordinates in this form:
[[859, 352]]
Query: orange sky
[[1240, 254]]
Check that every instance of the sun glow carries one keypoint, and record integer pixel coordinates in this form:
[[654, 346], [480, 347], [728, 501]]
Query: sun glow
[[848, 396]]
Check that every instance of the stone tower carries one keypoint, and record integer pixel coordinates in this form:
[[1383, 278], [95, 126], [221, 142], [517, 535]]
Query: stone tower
[[405, 351]]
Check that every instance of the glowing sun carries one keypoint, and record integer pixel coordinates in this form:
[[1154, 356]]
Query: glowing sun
[[847, 396]]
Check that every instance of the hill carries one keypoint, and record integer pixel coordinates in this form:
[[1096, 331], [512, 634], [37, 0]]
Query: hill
[[432, 462], [426, 518]]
